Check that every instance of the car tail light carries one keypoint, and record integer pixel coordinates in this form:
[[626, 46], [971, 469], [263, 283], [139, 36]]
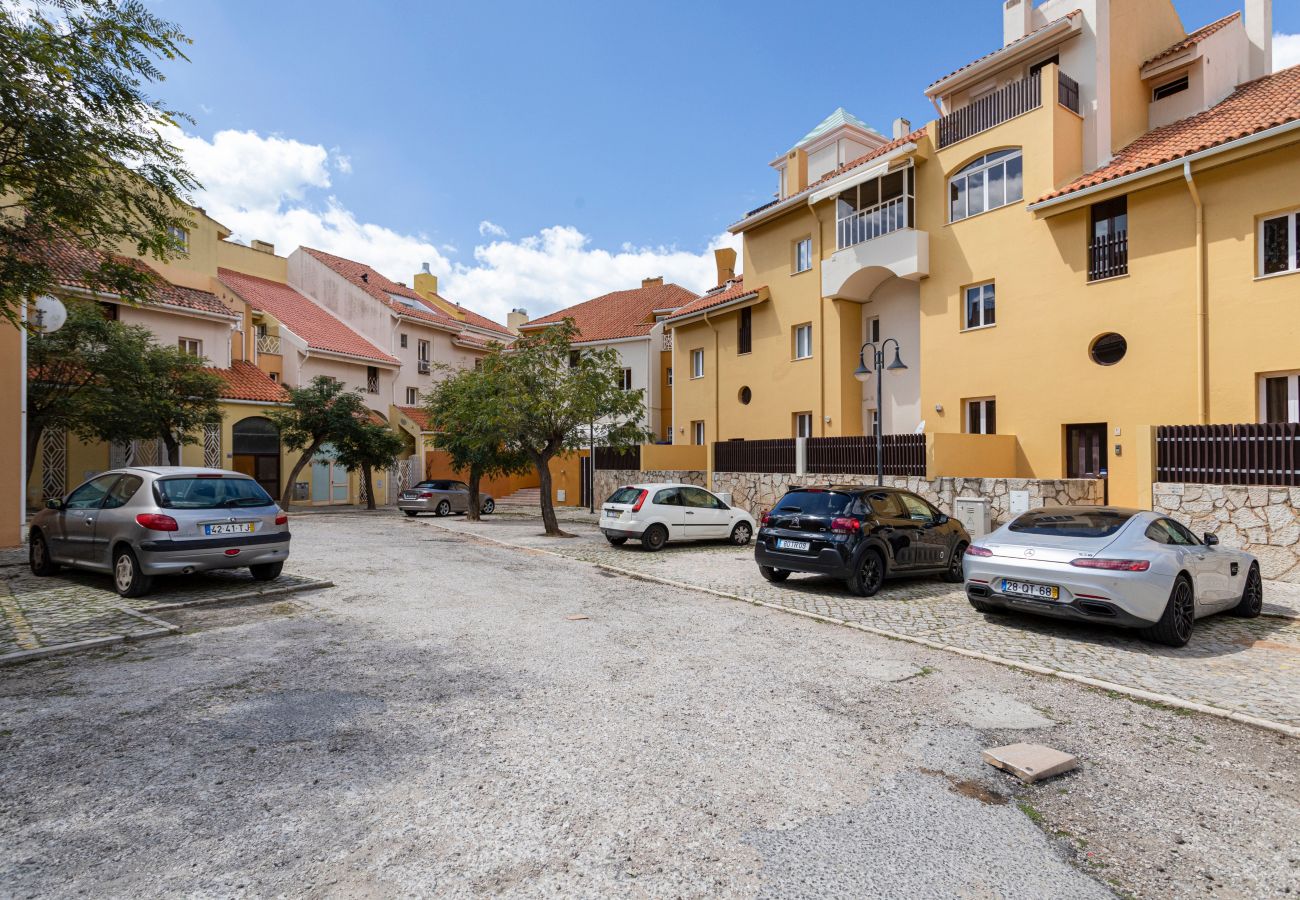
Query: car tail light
[[1113, 565], [845, 526], [156, 522], [282, 519], [973, 550], [766, 519], [233, 551], [636, 507], [426, 495]]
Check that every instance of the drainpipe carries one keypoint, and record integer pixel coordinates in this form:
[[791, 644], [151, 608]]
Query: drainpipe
[[717, 378], [1202, 312], [821, 327]]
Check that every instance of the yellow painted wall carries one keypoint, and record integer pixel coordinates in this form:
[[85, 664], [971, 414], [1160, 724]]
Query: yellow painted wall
[[972, 456], [252, 262], [670, 457], [1139, 29], [437, 464]]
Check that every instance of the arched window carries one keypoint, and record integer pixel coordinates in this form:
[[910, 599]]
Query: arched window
[[255, 435], [995, 179]]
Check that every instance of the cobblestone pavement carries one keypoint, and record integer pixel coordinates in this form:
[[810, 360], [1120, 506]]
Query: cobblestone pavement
[[1249, 666]]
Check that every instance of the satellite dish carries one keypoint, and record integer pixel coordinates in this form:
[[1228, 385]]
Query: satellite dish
[[47, 314]]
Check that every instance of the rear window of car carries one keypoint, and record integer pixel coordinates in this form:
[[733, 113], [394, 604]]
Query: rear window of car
[[1071, 523], [815, 503], [210, 493], [624, 495]]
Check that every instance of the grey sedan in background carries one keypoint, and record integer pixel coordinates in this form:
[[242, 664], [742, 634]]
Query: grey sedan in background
[[139, 522], [442, 498]]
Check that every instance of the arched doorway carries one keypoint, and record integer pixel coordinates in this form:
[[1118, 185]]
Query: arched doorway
[[255, 451]]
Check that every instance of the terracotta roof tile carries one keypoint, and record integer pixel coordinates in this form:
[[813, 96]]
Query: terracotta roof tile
[[1195, 38], [1017, 42], [245, 381], [320, 328], [417, 415], [732, 290], [1254, 107], [621, 314]]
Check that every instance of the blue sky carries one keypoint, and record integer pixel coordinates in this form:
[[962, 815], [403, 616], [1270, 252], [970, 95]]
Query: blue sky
[[645, 129]]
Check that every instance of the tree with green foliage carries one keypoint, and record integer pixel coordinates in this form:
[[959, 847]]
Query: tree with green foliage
[[550, 403], [367, 446], [465, 410], [83, 152], [320, 413]]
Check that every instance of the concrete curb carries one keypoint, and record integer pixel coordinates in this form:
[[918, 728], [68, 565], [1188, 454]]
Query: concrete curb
[[1282, 728]]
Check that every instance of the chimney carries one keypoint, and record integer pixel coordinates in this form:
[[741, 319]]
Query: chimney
[[901, 127], [425, 282], [796, 172], [1017, 20], [725, 258], [515, 318], [263, 247], [1259, 38], [657, 281]]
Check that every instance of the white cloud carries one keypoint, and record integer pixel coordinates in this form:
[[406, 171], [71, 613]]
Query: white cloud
[[1286, 51], [277, 189]]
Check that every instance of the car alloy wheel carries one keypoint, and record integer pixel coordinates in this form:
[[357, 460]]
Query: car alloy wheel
[[870, 575], [954, 575], [1184, 611], [489, 506], [124, 572], [443, 508], [741, 534], [38, 556], [1252, 597]]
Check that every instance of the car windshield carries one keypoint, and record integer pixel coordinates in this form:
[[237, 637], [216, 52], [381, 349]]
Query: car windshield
[[210, 493], [814, 503], [1077, 523], [624, 495]]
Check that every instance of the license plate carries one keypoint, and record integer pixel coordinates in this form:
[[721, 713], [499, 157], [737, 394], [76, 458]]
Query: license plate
[[613, 513], [1036, 591], [409, 496], [783, 544], [229, 528]]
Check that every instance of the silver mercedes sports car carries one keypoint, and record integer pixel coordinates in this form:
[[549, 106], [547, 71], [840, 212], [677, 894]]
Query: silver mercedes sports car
[[1112, 566]]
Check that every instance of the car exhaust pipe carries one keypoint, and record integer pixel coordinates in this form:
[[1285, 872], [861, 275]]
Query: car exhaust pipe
[[188, 570]]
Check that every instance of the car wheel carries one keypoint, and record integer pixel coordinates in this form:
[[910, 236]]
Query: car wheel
[[617, 541], [1252, 598], [489, 507], [654, 538], [773, 575], [411, 513], [742, 534], [442, 509], [1179, 618], [38, 556], [954, 573], [870, 574], [267, 571], [128, 580]]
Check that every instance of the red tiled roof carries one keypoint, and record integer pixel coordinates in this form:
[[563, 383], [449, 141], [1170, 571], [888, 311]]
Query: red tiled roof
[[734, 290], [320, 328], [473, 339], [1253, 107], [1195, 37], [621, 314], [473, 318], [1017, 41], [245, 381], [417, 415]]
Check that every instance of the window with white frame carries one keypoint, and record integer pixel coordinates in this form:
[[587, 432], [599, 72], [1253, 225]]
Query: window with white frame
[[995, 179], [803, 255], [873, 329], [1279, 244], [181, 237], [401, 338], [982, 416], [803, 425], [697, 363], [697, 432], [190, 346], [422, 349], [626, 382], [875, 208], [412, 396], [1279, 397], [803, 341], [981, 305]]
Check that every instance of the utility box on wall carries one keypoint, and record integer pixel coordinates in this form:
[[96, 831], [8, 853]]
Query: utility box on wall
[[976, 514]]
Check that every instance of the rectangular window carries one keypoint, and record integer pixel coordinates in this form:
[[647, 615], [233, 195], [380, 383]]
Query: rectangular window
[[401, 339], [803, 341], [1279, 398], [873, 329], [422, 351], [412, 397], [1108, 241], [803, 255], [1177, 86], [994, 180], [697, 433], [275, 376], [697, 363], [982, 416], [191, 346], [670, 376], [181, 237], [1279, 244], [745, 331], [803, 425], [575, 358], [627, 380], [981, 305], [478, 364], [372, 380]]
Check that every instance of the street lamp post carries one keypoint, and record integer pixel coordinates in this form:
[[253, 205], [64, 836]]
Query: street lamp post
[[878, 366]]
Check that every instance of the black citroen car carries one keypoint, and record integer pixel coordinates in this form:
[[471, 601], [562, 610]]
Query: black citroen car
[[860, 534]]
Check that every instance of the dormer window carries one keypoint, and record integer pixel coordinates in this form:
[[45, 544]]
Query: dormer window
[[1168, 89]]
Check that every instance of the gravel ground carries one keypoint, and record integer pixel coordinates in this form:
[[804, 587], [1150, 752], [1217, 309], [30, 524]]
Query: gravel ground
[[440, 723]]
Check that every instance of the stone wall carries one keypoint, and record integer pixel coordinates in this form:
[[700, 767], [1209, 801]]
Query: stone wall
[[1264, 521], [756, 492], [610, 480]]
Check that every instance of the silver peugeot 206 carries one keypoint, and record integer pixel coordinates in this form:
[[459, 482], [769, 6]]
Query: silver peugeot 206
[[139, 522], [1111, 566]]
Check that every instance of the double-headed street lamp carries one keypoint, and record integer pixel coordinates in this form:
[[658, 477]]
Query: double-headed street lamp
[[862, 373]]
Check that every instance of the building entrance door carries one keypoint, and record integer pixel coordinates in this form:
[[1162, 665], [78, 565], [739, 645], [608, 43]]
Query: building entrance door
[[1085, 451]]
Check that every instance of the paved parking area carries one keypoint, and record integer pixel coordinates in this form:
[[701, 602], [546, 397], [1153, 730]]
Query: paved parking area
[[1251, 667]]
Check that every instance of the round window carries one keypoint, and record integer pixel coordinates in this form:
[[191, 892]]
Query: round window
[[746, 395], [1108, 349]]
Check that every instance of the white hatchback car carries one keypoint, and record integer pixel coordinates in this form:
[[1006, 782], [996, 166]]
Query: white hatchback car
[[654, 514]]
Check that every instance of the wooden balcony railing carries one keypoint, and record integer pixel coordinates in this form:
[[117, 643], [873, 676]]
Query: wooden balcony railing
[[856, 455], [1068, 94], [776, 456], [1108, 256], [1015, 99], [1229, 454]]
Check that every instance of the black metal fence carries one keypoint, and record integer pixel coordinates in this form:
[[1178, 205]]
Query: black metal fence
[[1229, 454], [776, 456], [609, 458], [856, 455]]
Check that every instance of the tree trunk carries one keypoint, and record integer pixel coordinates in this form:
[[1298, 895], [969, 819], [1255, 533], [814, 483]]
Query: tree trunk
[[34, 433], [475, 504], [370, 485], [542, 464], [287, 494], [173, 449]]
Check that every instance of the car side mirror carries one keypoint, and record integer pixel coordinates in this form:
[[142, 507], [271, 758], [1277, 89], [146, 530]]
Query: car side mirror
[[941, 519], [54, 503], [1211, 540]]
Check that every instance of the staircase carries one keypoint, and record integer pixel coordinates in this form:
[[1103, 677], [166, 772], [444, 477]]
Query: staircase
[[522, 500]]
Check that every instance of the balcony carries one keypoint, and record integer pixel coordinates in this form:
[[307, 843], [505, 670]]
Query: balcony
[[875, 237], [1004, 104], [1108, 256], [268, 343]]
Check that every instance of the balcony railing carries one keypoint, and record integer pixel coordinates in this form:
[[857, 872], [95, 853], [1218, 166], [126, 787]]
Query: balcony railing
[[268, 343], [1015, 99], [1068, 95], [871, 223], [1108, 256], [668, 340]]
